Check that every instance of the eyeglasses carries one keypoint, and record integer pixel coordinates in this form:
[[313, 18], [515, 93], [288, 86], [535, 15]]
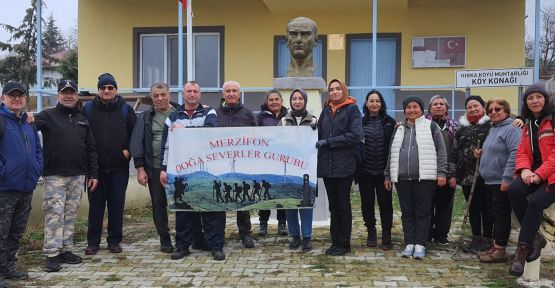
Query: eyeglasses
[[106, 87], [16, 96], [496, 109]]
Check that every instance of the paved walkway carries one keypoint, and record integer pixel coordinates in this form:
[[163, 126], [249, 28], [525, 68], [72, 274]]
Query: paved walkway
[[271, 263]]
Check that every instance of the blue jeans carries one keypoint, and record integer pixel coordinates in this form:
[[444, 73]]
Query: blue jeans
[[293, 222]]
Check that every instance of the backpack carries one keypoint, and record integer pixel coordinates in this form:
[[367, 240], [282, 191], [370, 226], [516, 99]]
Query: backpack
[[87, 109]]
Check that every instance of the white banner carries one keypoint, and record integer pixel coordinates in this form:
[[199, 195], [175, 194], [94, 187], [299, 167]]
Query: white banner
[[495, 77], [241, 168]]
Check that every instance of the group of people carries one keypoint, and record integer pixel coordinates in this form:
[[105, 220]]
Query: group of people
[[425, 157]]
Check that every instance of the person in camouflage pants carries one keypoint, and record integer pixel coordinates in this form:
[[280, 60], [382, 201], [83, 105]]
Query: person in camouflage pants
[[70, 158]]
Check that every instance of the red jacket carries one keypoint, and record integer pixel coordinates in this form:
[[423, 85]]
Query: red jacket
[[524, 158]]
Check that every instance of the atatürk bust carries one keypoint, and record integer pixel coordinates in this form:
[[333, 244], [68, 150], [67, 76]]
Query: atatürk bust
[[301, 39]]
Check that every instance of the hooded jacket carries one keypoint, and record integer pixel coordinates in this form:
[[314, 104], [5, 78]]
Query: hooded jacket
[[268, 118], [546, 141], [112, 133], [21, 159], [497, 163]]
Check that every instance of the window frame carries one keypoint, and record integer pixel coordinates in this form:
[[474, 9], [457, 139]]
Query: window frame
[[140, 32]]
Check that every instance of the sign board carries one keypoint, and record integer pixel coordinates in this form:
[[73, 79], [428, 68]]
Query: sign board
[[336, 41], [495, 77], [241, 168]]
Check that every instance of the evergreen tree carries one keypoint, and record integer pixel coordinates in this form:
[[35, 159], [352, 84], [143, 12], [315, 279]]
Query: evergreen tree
[[20, 64], [52, 38], [68, 66]]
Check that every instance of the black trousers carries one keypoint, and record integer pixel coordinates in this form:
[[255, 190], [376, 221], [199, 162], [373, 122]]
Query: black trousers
[[191, 226], [14, 213], [442, 211], [264, 215], [530, 212], [244, 222], [501, 215], [415, 199], [372, 187], [480, 210], [159, 207], [110, 193], [339, 198]]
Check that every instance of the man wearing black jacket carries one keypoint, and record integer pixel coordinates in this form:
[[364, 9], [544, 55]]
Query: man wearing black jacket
[[69, 160], [233, 114], [112, 121]]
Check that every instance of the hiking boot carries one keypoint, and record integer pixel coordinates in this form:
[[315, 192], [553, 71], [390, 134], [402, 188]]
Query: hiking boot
[[180, 253], [115, 248], [473, 246], [441, 241], [409, 250], [52, 264], [247, 241], [16, 275], [518, 262], [386, 240], [92, 249], [263, 228], [295, 242], [340, 251], [218, 255], [307, 244], [371, 240], [69, 258], [486, 252], [330, 250], [419, 252], [166, 248], [495, 255], [282, 228], [536, 249]]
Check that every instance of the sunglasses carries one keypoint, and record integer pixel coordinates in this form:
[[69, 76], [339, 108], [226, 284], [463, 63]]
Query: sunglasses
[[496, 109], [106, 87]]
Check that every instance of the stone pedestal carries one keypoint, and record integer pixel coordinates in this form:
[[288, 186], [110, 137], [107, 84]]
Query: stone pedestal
[[314, 87]]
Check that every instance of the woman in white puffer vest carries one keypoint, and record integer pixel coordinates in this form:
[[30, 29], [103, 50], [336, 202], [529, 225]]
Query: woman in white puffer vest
[[417, 164]]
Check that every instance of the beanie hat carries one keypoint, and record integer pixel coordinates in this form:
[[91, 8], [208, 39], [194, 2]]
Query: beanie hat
[[106, 79], [413, 99], [536, 87], [475, 98]]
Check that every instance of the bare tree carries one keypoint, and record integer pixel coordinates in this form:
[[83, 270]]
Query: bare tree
[[547, 43]]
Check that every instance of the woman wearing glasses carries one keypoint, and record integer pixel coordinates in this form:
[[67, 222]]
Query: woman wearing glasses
[[497, 165], [535, 166]]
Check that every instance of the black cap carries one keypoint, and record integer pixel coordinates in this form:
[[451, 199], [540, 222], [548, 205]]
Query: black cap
[[413, 99], [13, 86], [475, 98], [67, 84]]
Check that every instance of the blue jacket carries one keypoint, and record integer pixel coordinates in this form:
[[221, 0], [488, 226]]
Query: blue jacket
[[203, 116], [21, 159]]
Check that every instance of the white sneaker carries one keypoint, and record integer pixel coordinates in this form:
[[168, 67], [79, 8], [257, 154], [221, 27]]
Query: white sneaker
[[409, 250], [419, 252]]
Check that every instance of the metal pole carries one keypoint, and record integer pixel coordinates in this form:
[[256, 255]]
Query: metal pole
[[179, 52], [190, 40], [537, 17], [374, 39], [38, 5]]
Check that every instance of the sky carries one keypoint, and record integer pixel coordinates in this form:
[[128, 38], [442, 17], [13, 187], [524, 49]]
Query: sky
[[65, 13]]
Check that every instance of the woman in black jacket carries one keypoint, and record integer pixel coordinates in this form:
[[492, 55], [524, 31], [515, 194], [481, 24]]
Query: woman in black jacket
[[377, 127], [339, 136]]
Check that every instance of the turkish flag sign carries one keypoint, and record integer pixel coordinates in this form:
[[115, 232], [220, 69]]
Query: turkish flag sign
[[453, 44]]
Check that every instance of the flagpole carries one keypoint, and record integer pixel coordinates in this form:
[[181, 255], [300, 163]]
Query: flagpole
[[179, 52], [189, 40]]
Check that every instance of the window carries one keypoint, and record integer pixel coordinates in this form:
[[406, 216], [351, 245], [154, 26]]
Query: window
[[157, 59], [282, 56]]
